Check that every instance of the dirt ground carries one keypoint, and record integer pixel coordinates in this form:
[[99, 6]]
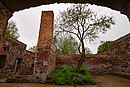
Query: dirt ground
[[102, 81], [112, 81]]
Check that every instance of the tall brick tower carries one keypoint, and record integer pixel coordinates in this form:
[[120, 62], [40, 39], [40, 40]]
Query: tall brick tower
[[45, 58]]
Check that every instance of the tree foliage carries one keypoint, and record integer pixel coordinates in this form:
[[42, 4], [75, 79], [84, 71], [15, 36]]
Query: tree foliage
[[12, 30], [84, 23], [65, 45], [32, 49], [103, 46]]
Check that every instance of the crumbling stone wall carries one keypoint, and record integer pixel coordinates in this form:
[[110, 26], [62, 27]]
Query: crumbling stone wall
[[12, 50], [96, 64], [27, 65], [5, 14], [119, 51], [45, 58]]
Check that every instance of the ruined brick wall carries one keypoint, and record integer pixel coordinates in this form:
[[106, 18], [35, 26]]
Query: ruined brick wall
[[27, 65], [12, 50], [96, 64], [5, 14], [119, 51], [45, 58]]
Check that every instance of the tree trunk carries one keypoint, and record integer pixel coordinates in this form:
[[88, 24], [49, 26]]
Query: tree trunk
[[81, 60], [82, 56]]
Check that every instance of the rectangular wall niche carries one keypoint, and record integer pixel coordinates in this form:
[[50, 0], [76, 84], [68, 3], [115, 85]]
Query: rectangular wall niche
[[2, 61], [17, 64]]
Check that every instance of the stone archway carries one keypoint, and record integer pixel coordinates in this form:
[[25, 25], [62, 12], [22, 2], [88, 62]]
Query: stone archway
[[8, 7], [6, 12]]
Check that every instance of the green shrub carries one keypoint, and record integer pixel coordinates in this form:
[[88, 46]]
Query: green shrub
[[69, 76]]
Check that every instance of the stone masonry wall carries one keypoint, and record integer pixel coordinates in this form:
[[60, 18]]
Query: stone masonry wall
[[119, 51], [27, 64], [96, 64], [12, 50], [5, 14], [45, 58]]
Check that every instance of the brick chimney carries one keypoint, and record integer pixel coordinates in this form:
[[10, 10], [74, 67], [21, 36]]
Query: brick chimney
[[45, 58]]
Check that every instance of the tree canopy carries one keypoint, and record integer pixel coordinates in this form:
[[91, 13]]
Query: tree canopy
[[65, 45], [85, 24], [12, 30]]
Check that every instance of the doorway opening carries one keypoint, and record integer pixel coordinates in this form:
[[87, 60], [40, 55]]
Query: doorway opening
[[2, 61]]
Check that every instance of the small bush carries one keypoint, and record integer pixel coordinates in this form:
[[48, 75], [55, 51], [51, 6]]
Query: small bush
[[69, 76]]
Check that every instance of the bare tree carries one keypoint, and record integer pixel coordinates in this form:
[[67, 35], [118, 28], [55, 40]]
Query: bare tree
[[84, 23]]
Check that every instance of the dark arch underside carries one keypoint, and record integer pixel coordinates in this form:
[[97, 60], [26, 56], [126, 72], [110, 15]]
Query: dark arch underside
[[16, 5]]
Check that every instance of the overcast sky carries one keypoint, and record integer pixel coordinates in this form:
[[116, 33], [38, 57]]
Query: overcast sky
[[28, 23]]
